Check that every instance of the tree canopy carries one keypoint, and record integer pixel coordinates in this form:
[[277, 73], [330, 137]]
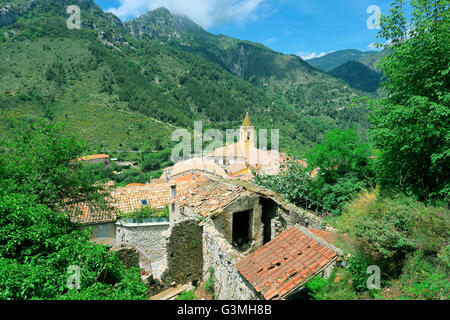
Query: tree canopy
[[411, 128]]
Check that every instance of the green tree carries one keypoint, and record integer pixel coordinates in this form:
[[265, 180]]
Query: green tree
[[344, 167], [40, 161], [38, 242], [411, 127], [342, 153]]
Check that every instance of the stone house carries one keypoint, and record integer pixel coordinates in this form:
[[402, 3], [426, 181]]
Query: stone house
[[251, 239], [248, 235]]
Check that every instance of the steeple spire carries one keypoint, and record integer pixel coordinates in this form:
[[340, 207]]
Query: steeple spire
[[247, 122]]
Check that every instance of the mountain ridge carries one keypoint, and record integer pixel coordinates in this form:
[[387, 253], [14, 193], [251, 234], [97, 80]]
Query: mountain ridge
[[59, 73], [337, 58]]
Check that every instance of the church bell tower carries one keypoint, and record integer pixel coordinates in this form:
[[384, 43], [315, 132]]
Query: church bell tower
[[247, 134]]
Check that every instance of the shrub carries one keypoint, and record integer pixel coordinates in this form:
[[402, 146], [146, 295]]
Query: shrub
[[337, 287], [209, 284], [186, 295], [424, 278]]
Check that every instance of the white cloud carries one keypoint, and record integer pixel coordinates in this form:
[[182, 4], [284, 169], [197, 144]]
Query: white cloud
[[310, 55], [206, 13]]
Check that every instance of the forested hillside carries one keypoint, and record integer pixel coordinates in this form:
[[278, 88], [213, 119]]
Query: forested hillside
[[314, 99], [358, 76], [101, 80], [337, 58]]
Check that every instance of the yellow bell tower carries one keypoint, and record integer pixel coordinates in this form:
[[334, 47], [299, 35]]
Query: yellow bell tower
[[247, 134]]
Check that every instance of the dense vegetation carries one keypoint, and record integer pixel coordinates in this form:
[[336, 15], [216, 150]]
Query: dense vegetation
[[101, 80], [358, 76], [387, 196], [401, 226], [411, 128], [335, 172], [38, 243]]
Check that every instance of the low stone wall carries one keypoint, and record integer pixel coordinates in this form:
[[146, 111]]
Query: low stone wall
[[147, 237], [220, 255]]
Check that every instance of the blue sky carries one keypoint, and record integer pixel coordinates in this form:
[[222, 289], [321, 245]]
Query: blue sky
[[307, 28]]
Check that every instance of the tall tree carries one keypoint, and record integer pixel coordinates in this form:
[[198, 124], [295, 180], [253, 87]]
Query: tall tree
[[411, 127], [40, 161]]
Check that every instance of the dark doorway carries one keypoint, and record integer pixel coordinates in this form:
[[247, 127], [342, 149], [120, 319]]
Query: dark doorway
[[269, 211], [241, 229]]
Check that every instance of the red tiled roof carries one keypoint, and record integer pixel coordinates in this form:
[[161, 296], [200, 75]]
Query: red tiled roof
[[128, 199], [285, 263], [83, 213], [124, 199], [328, 236], [94, 157], [206, 195]]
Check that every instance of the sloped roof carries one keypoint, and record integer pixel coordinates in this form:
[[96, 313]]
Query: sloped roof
[[93, 157], [83, 213], [231, 151], [287, 262], [123, 199], [196, 164], [128, 199], [207, 195]]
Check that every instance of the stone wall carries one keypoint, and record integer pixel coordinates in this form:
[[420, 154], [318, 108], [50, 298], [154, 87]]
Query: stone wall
[[220, 255], [148, 237], [224, 222], [184, 252]]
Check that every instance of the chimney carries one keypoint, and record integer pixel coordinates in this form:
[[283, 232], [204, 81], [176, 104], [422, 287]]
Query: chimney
[[173, 191]]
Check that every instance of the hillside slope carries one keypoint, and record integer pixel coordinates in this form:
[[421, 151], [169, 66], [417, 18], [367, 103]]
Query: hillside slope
[[291, 81], [335, 59], [358, 76], [123, 93]]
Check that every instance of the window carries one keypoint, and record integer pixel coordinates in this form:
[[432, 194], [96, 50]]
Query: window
[[144, 202]]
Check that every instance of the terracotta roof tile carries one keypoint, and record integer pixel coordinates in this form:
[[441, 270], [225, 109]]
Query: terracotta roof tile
[[206, 195], [123, 199], [93, 157], [285, 263], [328, 236]]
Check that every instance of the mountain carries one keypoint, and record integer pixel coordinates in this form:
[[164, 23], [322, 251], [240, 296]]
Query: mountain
[[371, 59], [161, 25], [314, 99], [124, 87], [346, 65], [358, 76], [335, 59], [247, 60]]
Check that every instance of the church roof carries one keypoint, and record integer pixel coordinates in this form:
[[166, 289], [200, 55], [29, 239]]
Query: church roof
[[247, 122], [196, 164], [233, 150]]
